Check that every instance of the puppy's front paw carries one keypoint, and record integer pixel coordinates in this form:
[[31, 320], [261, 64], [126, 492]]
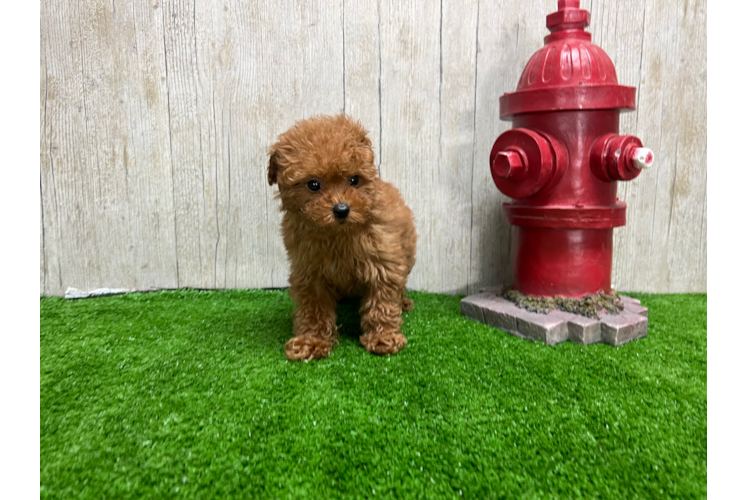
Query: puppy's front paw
[[383, 343], [307, 347]]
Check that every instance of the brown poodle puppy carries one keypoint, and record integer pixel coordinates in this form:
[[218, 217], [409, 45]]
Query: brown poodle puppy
[[347, 233]]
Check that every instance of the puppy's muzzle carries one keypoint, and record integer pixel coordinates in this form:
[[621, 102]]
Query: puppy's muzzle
[[341, 210]]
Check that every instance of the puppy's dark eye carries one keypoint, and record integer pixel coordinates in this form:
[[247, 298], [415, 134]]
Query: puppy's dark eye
[[353, 181], [313, 185]]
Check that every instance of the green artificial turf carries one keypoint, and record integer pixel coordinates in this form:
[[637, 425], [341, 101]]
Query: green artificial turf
[[188, 393]]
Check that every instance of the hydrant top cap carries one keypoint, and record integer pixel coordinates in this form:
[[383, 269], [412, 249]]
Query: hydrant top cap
[[569, 72], [568, 18]]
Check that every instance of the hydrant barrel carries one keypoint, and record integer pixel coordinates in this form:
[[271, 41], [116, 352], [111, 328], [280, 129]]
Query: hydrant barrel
[[561, 161]]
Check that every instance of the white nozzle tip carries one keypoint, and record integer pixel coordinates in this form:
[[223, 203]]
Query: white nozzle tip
[[643, 158]]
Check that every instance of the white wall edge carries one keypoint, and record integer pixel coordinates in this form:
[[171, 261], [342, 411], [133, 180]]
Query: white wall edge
[[713, 353], [712, 456]]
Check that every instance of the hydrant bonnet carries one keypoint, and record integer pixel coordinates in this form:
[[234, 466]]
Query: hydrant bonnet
[[569, 72]]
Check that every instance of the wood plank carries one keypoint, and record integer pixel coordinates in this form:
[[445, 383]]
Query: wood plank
[[362, 63], [50, 223], [42, 253], [410, 123], [450, 246], [687, 230], [144, 150], [43, 147], [67, 184], [106, 136], [195, 231]]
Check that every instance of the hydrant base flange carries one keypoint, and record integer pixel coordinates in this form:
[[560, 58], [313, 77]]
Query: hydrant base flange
[[490, 308]]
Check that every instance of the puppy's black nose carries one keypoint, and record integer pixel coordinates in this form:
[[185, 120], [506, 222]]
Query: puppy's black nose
[[341, 210]]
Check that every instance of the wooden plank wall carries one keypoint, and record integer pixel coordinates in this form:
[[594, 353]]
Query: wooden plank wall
[[155, 117]]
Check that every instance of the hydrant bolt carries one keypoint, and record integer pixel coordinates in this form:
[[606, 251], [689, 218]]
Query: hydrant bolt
[[508, 164], [526, 162]]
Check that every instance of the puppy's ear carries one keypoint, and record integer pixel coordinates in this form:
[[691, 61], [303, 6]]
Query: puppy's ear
[[273, 166], [364, 152], [363, 135]]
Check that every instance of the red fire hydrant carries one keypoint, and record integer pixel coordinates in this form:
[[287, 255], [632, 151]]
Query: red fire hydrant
[[562, 160]]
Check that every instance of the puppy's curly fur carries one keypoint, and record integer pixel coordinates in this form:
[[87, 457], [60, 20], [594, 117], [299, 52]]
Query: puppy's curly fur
[[321, 165]]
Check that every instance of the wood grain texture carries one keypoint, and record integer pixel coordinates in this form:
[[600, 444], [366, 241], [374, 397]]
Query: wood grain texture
[[410, 96], [362, 61], [43, 147], [155, 117]]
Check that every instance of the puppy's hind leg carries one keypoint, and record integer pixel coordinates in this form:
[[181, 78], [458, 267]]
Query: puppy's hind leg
[[407, 303], [315, 333]]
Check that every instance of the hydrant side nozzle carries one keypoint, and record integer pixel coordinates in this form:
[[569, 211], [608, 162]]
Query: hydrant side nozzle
[[524, 162], [619, 157]]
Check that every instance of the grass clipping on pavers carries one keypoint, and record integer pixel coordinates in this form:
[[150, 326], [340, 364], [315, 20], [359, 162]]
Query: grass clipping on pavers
[[591, 306]]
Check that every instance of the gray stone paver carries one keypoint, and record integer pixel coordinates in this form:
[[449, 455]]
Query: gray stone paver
[[556, 326]]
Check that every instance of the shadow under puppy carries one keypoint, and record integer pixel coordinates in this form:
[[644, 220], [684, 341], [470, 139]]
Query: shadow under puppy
[[347, 232]]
